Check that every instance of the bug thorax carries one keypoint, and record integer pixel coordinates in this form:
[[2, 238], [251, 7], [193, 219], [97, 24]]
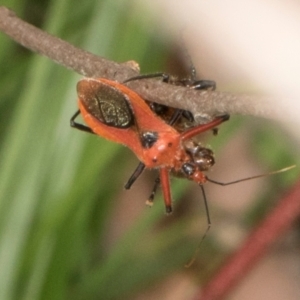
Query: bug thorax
[[160, 149]]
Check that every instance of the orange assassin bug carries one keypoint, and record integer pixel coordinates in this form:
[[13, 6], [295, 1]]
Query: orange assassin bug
[[175, 117], [117, 113]]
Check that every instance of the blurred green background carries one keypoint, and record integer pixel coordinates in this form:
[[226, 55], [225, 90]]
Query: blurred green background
[[60, 189]]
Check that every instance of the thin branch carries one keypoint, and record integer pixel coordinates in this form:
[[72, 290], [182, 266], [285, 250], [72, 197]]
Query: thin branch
[[254, 248], [203, 104], [63, 53]]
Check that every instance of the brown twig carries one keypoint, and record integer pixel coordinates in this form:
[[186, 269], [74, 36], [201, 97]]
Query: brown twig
[[63, 53], [256, 245], [203, 104]]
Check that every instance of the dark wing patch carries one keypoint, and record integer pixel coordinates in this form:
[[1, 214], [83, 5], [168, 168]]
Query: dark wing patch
[[106, 103]]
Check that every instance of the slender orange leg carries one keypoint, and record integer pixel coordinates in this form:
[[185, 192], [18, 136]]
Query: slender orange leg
[[204, 127], [165, 184]]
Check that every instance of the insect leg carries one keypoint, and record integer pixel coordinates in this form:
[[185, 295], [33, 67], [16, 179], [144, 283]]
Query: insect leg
[[79, 126], [204, 127], [165, 184], [154, 189], [204, 85], [165, 77], [137, 172]]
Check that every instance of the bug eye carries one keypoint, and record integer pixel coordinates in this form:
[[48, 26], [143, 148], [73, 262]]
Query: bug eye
[[148, 139], [188, 169]]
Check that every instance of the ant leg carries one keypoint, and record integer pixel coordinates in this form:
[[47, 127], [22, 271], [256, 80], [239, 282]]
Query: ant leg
[[197, 84], [176, 116], [188, 115], [137, 172], [204, 85], [79, 126], [201, 84], [165, 77]]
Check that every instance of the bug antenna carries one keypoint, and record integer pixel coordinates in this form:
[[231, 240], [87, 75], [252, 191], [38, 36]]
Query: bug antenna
[[251, 177], [192, 260]]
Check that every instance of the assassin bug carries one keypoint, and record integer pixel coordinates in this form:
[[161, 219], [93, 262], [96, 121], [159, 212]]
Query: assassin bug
[[178, 118], [115, 112]]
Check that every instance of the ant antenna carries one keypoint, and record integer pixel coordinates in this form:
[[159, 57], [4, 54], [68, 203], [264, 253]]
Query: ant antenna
[[250, 178]]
